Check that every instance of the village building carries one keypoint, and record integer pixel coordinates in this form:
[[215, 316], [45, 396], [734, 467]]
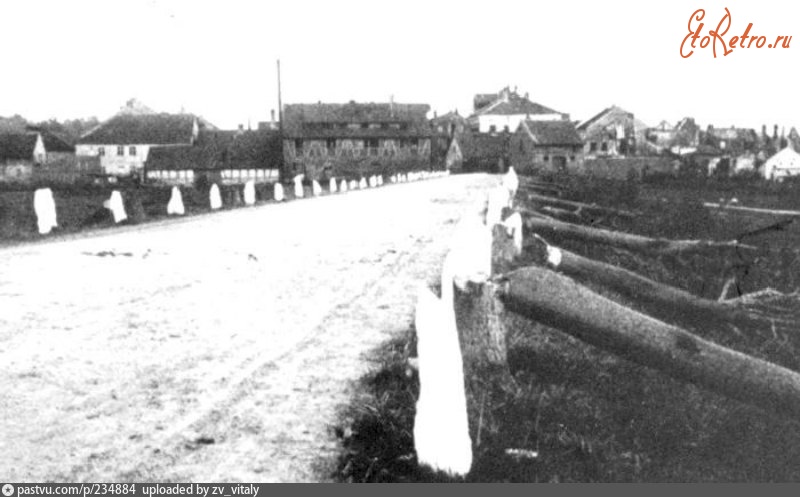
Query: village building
[[225, 157], [477, 152], [123, 142], [19, 154], [552, 146], [783, 164], [450, 124], [681, 139], [355, 140], [614, 132], [503, 111]]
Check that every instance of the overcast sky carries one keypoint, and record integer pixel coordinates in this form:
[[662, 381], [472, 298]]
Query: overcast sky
[[81, 58]]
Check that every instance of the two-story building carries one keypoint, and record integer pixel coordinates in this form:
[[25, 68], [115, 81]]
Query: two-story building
[[354, 140], [613, 132]]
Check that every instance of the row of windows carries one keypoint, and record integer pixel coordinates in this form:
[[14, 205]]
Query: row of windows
[[120, 151], [341, 125], [330, 143], [593, 147]]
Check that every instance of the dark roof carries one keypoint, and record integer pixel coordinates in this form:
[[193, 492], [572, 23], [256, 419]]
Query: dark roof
[[156, 129], [221, 150], [452, 116], [54, 143], [517, 105], [552, 132], [17, 146], [310, 120]]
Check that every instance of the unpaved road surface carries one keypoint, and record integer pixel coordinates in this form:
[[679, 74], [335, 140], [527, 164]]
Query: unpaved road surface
[[213, 348]]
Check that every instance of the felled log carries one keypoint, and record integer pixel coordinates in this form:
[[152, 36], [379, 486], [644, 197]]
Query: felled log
[[562, 214], [663, 301], [559, 302], [755, 210], [572, 205], [636, 243]]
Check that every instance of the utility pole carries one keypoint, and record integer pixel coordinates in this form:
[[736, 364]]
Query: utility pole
[[282, 164]]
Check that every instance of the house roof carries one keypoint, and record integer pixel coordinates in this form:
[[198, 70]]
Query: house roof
[[786, 158], [602, 114], [220, 150], [549, 133], [155, 129], [17, 146], [309, 120], [515, 105]]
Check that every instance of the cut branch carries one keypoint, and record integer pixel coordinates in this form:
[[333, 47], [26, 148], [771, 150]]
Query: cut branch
[[637, 243], [558, 301]]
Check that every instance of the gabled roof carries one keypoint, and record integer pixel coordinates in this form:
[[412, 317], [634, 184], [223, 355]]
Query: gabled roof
[[220, 150], [17, 146], [551, 133], [155, 129], [787, 157], [515, 105], [452, 116], [602, 114], [332, 120]]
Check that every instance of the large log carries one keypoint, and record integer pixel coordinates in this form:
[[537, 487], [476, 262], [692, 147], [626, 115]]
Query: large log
[[664, 301], [559, 302], [638, 243], [754, 210], [569, 204]]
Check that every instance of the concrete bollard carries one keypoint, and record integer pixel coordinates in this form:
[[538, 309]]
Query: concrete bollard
[[511, 183], [316, 189], [175, 204], [279, 196], [343, 187], [214, 198], [353, 184], [116, 206], [298, 186], [498, 198], [380, 180], [332, 185], [362, 184], [45, 208], [250, 193]]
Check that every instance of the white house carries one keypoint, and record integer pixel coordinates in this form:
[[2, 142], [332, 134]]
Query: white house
[[784, 163], [123, 142], [505, 110]]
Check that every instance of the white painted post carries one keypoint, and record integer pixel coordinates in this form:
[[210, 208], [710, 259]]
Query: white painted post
[[362, 184], [250, 192], [175, 204], [343, 187], [279, 196], [45, 208], [441, 424], [316, 189], [511, 183], [353, 184], [332, 185], [214, 198], [116, 206], [514, 228], [380, 180], [298, 186]]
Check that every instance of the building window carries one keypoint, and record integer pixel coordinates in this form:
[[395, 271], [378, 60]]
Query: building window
[[101, 151], [547, 158], [604, 147], [120, 150], [132, 151], [572, 158], [298, 146], [505, 128], [492, 128], [330, 143], [373, 144], [593, 147], [414, 142], [364, 125]]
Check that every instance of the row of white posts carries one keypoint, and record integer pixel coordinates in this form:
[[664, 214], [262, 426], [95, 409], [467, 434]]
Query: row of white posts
[[45, 206], [441, 426]]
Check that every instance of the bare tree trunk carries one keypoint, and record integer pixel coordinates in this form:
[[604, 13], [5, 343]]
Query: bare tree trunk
[[637, 243], [557, 301], [772, 212], [569, 204]]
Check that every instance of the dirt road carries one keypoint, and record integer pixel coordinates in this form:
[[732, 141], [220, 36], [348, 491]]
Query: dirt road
[[215, 348]]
